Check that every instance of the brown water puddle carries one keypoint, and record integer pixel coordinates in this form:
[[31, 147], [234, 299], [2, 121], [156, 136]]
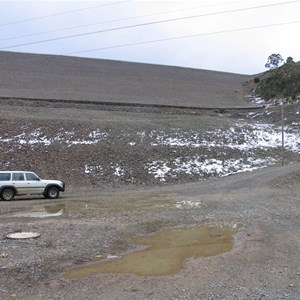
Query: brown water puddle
[[165, 253]]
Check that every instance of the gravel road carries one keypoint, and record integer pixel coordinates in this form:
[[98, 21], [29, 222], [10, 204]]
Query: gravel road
[[263, 264]]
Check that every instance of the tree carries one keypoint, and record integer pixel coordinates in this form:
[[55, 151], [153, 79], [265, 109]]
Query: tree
[[290, 60], [273, 61]]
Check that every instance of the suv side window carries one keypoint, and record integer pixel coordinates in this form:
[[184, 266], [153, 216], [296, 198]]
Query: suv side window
[[32, 177], [4, 176], [18, 176]]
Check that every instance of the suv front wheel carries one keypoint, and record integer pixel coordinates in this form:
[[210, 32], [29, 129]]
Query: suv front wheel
[[52, 192], [7, 194]]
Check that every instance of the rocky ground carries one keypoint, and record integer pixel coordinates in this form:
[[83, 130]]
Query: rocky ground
[[133, 171], [96, 145]]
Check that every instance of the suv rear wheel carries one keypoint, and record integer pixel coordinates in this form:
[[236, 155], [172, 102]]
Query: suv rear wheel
[[52, 192], [7, 194]]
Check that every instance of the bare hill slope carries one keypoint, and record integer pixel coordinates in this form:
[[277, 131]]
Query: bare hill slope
[[70, 78]]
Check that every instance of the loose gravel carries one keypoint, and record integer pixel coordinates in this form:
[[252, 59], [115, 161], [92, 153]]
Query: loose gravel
[[104, 212]]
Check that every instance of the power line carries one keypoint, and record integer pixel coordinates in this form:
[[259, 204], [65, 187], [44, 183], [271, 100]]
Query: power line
[[185, 36], [147, 24], [114, 21], [61, 13], [168, 39]]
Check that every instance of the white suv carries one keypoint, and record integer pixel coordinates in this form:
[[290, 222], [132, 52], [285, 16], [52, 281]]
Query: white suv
[[17, 183]]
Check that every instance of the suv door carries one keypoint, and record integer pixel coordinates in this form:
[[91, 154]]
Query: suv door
[[18, 181], [34, 184]]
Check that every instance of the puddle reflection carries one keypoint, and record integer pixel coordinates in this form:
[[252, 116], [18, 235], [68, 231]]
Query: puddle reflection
[[49, 211]]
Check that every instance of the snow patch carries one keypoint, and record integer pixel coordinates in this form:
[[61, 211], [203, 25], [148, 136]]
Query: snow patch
[[201, 167], [185, 204], [119, 171], [89, 169]]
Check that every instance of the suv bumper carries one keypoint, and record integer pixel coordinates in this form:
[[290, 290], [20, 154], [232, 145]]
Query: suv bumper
[[62, 188]]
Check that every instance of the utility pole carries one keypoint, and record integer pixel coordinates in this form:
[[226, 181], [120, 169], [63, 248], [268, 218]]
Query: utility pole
[[282, 132]]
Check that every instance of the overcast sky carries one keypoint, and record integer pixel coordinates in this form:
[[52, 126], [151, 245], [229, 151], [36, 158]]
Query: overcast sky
[[222, 35]]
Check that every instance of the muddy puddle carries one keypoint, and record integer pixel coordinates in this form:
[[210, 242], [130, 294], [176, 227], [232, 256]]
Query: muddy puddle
[[164, 252], [47, 212]]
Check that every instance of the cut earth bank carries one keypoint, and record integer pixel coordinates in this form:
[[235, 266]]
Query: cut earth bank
[[263, 207]]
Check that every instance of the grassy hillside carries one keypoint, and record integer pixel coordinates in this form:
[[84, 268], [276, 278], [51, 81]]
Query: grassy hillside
[[70, 78], [282, 82]]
